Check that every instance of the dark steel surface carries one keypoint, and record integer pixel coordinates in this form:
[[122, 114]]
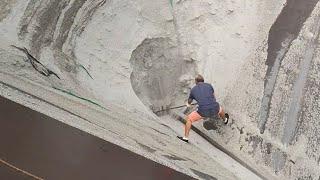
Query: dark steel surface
[[49, 149], [7, 173]]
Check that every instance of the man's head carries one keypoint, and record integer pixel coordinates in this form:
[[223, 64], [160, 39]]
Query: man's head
[[199, 78]]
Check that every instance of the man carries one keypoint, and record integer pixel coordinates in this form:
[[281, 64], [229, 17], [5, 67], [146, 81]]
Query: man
[[203, 93]]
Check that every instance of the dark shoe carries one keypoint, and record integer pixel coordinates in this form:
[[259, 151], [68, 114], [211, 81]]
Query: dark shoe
[[181, 138], [226, 118]]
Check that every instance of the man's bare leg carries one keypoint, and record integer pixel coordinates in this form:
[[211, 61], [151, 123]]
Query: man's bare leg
[[187, 128], [223, 115], [192, 117]]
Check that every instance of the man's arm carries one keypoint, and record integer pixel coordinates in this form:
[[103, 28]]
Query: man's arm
[[212, 91], [190, 99]]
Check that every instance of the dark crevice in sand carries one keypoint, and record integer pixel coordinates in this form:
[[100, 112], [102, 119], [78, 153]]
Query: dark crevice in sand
[[285, 29]]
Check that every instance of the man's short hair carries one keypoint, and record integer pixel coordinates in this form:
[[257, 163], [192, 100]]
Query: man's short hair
[[199, 78]]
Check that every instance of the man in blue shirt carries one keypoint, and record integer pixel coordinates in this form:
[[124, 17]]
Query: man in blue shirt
[[203, 93]]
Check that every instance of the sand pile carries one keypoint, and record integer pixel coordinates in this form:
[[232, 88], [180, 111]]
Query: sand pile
[[260, 56]]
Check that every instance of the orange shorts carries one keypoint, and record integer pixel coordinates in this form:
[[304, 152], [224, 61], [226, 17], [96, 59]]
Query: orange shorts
[[195, 116]]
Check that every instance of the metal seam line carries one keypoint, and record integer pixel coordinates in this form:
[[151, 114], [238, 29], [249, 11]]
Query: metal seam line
[[20, 170]]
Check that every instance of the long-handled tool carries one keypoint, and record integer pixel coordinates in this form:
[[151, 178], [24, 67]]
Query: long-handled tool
[[173, 108]]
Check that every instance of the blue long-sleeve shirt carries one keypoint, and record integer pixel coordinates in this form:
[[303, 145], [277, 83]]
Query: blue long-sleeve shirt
[[203, 93]]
